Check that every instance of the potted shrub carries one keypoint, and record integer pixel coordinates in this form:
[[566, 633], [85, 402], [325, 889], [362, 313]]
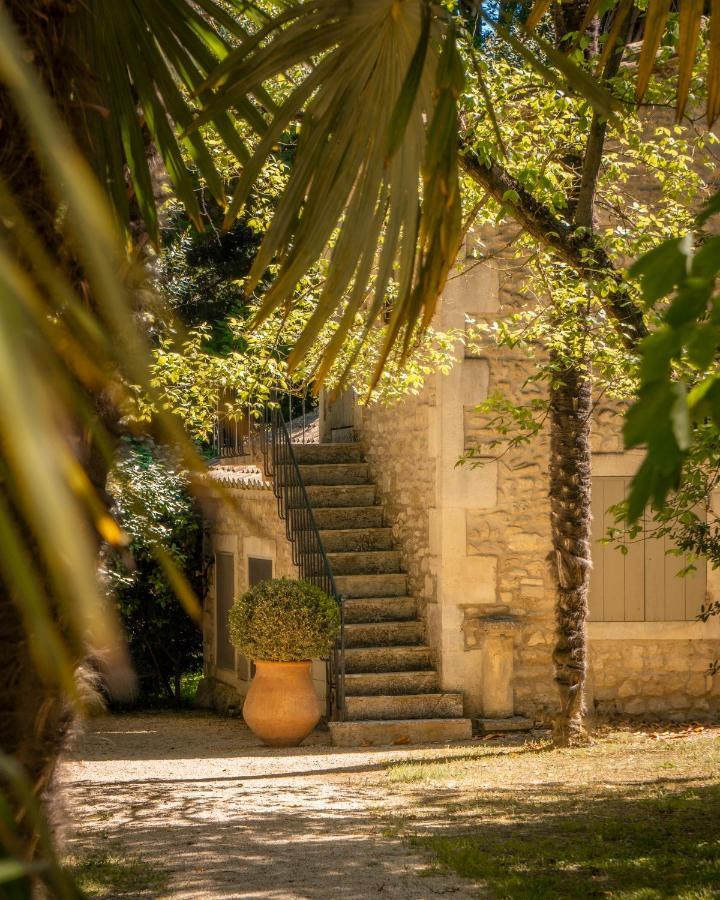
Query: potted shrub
[[283, 625]]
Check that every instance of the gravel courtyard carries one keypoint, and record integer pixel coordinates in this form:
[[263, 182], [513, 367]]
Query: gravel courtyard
[[192, 806]]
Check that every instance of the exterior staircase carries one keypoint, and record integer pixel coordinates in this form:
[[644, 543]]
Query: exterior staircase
[[392, 690]]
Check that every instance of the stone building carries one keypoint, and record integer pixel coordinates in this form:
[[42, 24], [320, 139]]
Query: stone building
[[449, 605]]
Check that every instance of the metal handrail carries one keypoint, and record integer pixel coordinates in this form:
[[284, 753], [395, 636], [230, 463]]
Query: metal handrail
[[308, 552]]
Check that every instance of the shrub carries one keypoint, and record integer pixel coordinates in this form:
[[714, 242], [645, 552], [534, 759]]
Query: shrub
[[284, 621], [153, 505]]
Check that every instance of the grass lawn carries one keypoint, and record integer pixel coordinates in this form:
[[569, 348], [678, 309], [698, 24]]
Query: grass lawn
[[112, 874], [635, 815]]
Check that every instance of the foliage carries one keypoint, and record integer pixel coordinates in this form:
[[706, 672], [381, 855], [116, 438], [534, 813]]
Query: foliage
[[228, 359], [650, 179], [284, 621], [677, 413], [153, 505], [376, 160]]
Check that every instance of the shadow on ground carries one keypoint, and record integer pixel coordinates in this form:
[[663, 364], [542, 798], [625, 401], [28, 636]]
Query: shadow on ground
[[639, 840], [209, 813]]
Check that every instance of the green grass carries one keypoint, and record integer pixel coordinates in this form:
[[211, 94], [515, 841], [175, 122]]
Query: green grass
[[632, 817], [645, 849], [188, 687], [112, 875]]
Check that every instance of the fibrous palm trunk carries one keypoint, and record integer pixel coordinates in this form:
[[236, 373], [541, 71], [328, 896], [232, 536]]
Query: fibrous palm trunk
[[570, 486], [33, 715]]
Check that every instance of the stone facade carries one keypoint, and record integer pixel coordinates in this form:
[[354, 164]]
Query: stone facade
[[475, 540], [407, 500]]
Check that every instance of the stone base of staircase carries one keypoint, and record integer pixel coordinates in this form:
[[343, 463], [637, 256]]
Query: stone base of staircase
[[384, 732], [511, 723], [393, 693]]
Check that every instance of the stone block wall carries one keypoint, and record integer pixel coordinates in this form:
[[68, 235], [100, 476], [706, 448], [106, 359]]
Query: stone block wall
[[653, 679], [396, 441], [475, 540]]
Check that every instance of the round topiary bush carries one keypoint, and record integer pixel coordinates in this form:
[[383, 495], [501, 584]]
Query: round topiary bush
[[284, 621]]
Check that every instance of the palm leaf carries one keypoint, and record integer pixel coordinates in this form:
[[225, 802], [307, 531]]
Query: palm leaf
[[713, 98], [690, 16], [621, 13], [147, 59], [539, 8], [56, 353], [367, 106], [656, 19]]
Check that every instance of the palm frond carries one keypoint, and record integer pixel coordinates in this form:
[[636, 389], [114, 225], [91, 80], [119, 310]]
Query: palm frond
[[656, 17], [146, 59], [382, 80], [58, 353]]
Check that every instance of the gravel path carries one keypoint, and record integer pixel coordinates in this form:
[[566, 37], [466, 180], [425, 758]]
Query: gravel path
[[199, 799]]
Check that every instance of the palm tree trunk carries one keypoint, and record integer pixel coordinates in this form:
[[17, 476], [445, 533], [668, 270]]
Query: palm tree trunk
[[33, 718], [570, 517]]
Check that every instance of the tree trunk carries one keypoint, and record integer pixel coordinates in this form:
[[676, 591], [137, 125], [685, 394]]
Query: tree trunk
[[570, 517], [33, 716], [33, 719]]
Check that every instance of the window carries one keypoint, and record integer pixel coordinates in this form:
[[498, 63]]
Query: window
[[641, 585], [224, 595], [259, 569]]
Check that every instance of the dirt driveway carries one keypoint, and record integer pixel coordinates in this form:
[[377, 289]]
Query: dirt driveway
[[191, 806]]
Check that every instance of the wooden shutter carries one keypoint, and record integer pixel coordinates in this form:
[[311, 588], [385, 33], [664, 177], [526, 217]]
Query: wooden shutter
[[258, 570], [642, 585], [224, 596]]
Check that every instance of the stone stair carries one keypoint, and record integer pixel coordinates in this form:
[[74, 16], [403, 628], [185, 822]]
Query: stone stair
[[392, 689]]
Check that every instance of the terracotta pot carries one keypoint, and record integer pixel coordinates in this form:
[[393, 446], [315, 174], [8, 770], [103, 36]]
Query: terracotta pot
[[281, 707]]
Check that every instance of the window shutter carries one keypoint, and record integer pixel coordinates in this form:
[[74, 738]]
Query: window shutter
[[224, 596], [259, 570], [641, 585]]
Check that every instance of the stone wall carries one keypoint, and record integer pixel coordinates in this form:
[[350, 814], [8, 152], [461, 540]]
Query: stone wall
[[475, 540], [666, 679], [396, 441]]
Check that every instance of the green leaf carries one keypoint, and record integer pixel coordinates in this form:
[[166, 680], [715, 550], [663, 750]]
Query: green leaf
[[702, 345], [649, 419], [679, 416], [706, 261], [661, 269], [690, 303], [657, 352], [712, 207]]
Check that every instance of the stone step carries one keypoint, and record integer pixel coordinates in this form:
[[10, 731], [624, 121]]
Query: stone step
[[384, 634], [371, 562], [388, 659], [320, 454], [345, 518], [341, 495], [366, 683], [336, 473], [344, 540], [404, 706], [388, 585], [400, 732], [380, 609]]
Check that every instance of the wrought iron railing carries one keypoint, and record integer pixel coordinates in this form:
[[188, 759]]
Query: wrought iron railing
[[230, 437], [307, 548]]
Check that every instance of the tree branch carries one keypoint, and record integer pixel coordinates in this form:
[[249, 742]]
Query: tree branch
[[584, 209], [578, 247]]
